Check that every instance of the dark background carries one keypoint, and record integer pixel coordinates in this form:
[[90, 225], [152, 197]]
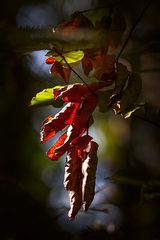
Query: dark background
[[134, 143]]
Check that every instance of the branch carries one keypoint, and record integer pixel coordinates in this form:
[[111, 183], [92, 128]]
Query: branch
[[31, 39]]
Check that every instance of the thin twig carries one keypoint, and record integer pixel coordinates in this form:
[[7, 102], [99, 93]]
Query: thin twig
[[133, 28]]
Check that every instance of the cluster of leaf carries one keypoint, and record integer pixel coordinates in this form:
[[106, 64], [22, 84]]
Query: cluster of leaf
[[115, 88]]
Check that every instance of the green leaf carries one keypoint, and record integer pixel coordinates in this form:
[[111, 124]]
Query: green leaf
[[45, 97], [70, 57]]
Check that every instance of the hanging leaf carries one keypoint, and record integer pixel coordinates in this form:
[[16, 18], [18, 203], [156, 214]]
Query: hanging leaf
[[45, 98], [73, 174], [58, 149], [89, 167], [72, 182], [59, 122]]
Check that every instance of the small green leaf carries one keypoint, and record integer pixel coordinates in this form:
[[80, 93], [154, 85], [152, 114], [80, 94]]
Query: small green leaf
[[45, 97], [70, 57]]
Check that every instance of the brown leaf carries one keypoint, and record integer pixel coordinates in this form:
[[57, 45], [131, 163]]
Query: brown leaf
[[69, 28], [104, 66], [89, 167], [61, 71], [130, 95], [122, 75]]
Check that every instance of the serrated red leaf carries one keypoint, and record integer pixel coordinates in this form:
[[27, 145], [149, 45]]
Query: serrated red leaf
[[82, 144], [71, 93], [59, 122], [58, 149], [73, 174], [73, 181], [61, 71], [89, 167], [78, 91]]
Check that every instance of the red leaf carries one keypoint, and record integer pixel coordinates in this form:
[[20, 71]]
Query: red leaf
[[75, 130], [56, 151], [71, 93], [88, 106], [59, 122], [73, 181], [73, 174], [50, 60], [78, 91], [60, 71], [82, 144]]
